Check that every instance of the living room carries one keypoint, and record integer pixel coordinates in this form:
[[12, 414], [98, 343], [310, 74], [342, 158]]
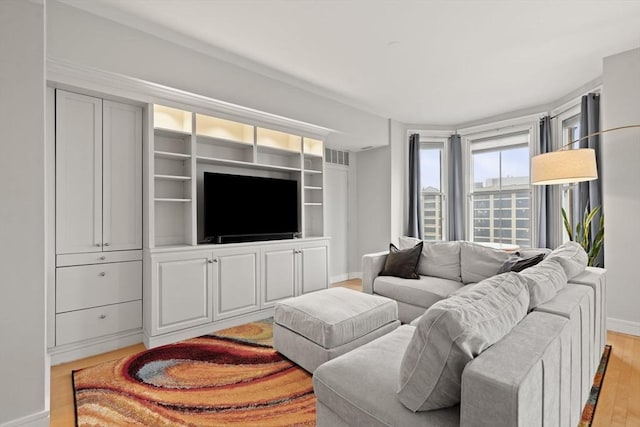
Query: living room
[[66, 41]]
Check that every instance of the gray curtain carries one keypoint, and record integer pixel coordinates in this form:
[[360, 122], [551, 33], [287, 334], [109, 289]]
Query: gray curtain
[[414, 228], [456, 196], [545, 214], [589, 194]]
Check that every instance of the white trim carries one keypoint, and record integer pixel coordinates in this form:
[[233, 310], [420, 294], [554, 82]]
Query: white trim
[[355, 275], [338, 278], [75, 351], [65, 74], [573, 102], [500, 127], [431, 133], [38, 419], [623, 326]]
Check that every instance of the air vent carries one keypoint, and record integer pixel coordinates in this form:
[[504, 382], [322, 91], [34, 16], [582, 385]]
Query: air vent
[[336, 157]]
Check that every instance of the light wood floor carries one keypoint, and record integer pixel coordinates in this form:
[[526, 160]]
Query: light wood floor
[[619, 403]]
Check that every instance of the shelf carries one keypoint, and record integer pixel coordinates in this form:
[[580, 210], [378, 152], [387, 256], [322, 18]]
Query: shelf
[[173, 177], [215, 127], [312, 171], [313, 147], [314, 155], [277, 139], [172, 119], [171, 156], [313, 204], [309, 187], [172, 200], [224, 162], [277, 150], [224, 142], [171, 133]]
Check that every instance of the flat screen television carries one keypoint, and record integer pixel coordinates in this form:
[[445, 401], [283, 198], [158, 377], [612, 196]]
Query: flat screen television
[[240, 208]]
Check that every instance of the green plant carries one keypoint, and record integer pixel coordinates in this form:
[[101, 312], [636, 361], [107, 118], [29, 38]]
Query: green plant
[[582, 234]]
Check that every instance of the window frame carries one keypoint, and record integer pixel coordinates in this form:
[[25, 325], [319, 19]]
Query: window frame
[[439, 143], [485, 137]]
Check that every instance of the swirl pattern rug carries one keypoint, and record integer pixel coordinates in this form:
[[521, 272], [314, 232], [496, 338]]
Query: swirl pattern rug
[[233, 377]]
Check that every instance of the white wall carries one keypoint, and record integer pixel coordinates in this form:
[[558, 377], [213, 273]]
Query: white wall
[[23, 369], [373, 199], [79, 37], [398, 164], [336, 195], [620, 105]]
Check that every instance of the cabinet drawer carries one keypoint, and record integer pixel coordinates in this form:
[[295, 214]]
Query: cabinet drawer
[[96, 322], [66, 260], [89, 286]]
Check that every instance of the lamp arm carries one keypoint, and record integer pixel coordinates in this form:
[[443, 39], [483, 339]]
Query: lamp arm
[[596, 133]]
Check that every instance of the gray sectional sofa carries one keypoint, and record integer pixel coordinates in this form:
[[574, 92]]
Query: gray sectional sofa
[[515, 349]]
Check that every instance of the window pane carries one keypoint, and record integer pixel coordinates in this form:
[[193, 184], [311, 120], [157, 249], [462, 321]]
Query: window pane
[[486, 170], [430, 169], [431, 191], [515, 167]]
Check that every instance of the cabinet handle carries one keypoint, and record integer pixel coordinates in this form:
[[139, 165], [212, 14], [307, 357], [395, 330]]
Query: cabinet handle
[[98, 245], [106, 244], [102, 316], [102, 258], [210, 261], [103, 274]]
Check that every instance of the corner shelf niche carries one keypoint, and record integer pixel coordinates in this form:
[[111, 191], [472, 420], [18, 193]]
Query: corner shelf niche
[[186, 144]]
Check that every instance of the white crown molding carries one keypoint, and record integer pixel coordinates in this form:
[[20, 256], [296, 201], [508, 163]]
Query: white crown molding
[[72, 75]]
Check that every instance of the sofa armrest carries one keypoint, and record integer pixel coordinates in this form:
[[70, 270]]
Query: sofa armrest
[[523, 379], [372, 265]]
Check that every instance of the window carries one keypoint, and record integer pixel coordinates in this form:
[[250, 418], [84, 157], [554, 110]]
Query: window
[[570, 133], [432, 193], [500, 194]]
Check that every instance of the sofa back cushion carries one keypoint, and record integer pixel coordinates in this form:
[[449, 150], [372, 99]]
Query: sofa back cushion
[[544, 281], [572, 257], [454, 331], [479, 262], [438, 259]]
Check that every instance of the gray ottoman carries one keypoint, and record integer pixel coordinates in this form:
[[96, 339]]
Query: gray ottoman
[[314, 328]]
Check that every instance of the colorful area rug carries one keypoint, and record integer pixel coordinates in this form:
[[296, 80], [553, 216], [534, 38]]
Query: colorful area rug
[[590, 408], [233, 377]]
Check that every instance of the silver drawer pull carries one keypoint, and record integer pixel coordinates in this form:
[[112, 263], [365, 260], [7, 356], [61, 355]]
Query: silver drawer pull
[[98, 245], [102, 316], [106, 244], [102, 258], [103, 274]]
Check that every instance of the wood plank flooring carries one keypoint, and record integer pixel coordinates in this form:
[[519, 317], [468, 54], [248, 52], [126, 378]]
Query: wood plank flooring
[[619, 403]]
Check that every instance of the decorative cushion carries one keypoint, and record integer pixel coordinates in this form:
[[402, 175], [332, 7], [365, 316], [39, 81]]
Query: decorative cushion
[[402, 263], [439, 259], [454, 331], [544, 281], [479, 262], [572, 257], [517, 263]]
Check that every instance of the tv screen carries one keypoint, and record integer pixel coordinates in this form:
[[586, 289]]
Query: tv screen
[[245, 208]]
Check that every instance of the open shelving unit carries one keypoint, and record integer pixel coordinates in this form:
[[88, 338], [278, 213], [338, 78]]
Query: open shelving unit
[[186, 144]]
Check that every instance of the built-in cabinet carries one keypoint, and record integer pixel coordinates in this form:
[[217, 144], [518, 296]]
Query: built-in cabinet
[[98, 221], [188, 292]]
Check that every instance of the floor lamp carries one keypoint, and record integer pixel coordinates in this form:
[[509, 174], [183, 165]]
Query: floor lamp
[[566, 165]]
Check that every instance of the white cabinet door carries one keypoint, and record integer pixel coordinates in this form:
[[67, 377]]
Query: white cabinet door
[[313, 264], [278, 274], [181, 291], [235, 282], [78, 173], [122, 177]]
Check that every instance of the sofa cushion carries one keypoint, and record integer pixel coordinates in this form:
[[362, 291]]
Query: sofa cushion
[[544, 281], [423, 292], [360, 386], [479, 262], [335, 316], [454, 331], [572, 257], [439, 259], [402, 262]]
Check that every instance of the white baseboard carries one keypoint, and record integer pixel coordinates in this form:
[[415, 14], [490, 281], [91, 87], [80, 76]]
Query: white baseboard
[[39, 419], [338, 278], [623, 326], [89, 348], [355, 275]]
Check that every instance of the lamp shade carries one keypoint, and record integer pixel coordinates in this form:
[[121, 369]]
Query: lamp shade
[[564, 166]]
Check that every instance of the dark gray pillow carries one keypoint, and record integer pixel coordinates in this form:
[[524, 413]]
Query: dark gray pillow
[[402, 263], [517, 263]]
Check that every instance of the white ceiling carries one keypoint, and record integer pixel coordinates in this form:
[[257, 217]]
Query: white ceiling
[[421, 62]]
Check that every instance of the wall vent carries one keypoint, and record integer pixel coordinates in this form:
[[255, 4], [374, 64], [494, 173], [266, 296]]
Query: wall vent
[[337, 157]]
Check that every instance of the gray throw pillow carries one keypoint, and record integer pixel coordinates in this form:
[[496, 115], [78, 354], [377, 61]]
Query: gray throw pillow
[[517, 263], [544, 281], [479, 262], [402, 263], [572, 257], [451, 333], [439, 259]]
